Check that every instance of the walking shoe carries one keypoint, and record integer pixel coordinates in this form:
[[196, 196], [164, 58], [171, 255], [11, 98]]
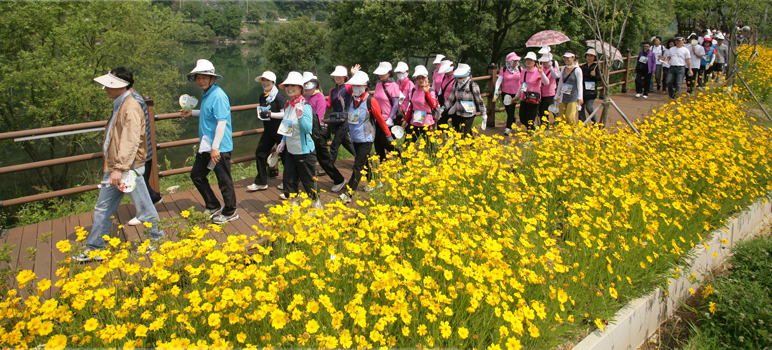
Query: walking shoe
[[281, 186], [135, 222], [321, 173], [221, 219], [86, 256], [255, 187], [338, 187], [645, 96], [345, 198], [214, 213], [159, 201], [283, 197], [507, 132], [637, 95]]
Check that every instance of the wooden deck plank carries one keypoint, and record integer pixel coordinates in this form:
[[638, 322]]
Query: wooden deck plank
[[28, 240], [59, 227], [128, 233], [43, 258]]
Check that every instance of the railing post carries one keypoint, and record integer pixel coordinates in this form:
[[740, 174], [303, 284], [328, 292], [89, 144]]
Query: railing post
[[153, 181], [491, 107], [626, 74]]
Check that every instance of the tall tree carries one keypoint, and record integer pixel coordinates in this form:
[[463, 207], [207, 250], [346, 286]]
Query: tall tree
[[296, 45]]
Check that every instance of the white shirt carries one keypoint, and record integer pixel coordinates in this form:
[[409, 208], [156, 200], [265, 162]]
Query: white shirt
[[699, 50], [678, 56], [658, 51]]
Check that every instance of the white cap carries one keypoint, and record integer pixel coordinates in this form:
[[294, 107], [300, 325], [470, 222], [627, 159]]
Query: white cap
[[445, 67], [293, 78], [383, 68], [462, 70], [591, 51], [545, 49], [545, 57], [203, 67], [569, 54], [438, 59], [359, 78], [720, 36], [531, 56], [420, 71], [340, 71], [308, 76], [111, 81], [268, 75], [401, 68]]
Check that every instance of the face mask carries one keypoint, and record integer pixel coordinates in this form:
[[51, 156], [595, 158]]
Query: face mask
[[695, 42], [463, 80], [401, 76], [358, 90], [309, 85]]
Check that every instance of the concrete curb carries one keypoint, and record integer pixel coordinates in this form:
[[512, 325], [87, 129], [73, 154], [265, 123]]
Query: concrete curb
[[640, 318]]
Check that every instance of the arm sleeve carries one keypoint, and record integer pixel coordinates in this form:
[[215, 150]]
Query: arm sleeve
[[555, 75], [328, 100], [499, 80], [305, 122], [394, 107], [478, 98], [128, 141], [376, 110], [277, 115], [219, 133], [544, 79], [195, 113], [431, 99], [580, 83]]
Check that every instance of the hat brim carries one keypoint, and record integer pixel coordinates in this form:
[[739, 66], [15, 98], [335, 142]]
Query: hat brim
[[284, 85], [109, 81], [380, 71], [259, 79], [192, 76]]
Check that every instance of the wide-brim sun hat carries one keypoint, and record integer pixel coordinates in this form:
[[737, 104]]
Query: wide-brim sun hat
[[445, 67], [720, 36], [545, 49], [462, 70], [591, 52], [203, 67], [293, 78], [110, 81], [268, 75], [531, 55], [438, 59], [340, 71], [420, 71], [383, 68], [545, 57], [512, 57], [308, 76], [401, 67], [359, 78]]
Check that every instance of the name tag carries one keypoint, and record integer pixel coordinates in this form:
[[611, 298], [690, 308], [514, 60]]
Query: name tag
[[523, 87], [286, 128], [353, 117], [589, 85], [643, 59], [419, 116], [567, 89], [468, 106]]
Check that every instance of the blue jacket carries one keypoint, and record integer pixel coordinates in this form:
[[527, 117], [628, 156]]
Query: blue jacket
[[303, 125]]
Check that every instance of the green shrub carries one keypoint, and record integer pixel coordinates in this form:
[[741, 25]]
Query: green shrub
[[194, 33]]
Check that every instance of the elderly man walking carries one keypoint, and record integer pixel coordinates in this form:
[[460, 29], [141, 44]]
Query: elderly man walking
[[125, 151], [214, 153]]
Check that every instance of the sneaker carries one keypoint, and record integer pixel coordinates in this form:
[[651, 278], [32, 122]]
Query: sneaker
[[135, 222], [321, 173], [338, 187], [281, 186], [283, 197], [345, 198], [221, 219], [318, 205], [158, 201], [86, 256], [645, 96], [255, 187], [214, 213], [637, 95], [507, 132]]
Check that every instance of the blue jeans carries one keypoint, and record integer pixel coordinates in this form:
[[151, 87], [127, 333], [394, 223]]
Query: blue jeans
[[675, 78], [109, 199]]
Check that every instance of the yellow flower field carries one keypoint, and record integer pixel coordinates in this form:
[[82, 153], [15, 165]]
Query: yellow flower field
[[475, 243]]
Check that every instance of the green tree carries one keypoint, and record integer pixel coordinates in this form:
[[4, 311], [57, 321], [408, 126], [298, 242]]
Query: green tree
[[226, 22], [296, 45], [51, 51]]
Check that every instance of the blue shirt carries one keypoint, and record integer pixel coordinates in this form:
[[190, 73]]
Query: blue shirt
[[216, 107]]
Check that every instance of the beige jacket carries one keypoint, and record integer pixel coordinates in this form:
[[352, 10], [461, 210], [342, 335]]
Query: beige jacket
[[127, 146]]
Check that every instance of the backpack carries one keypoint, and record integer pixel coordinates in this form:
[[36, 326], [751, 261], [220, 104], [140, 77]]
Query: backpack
[[319, 133]]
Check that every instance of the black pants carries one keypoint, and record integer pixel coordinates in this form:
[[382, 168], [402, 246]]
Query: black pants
[[327, 163], [691, 79], [264, 147], [704, 75], [510, 110], [444, 118], [466, 122], [642, 83], [719, 68], [299, 168], [154, 196], [341, 138], [528, 112], [544, 105], [416, 132], [223, 172], [382, 144], [664, 78], [360, 163]]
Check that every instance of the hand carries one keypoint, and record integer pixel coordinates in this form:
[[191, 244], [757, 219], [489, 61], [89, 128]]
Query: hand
[[404, 124], [427, 87], [580, 102], [215, 155], [390, 138], [355, 68], [280, 147], [495, 97], [689, 72], [592, 73], [115, 178], [390, 122], [326, 120], [185, 113]]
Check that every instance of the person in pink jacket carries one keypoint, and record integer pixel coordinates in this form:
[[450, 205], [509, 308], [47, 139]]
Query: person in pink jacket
[[531, 81], [436, 75], [405, 85], [552, 70], [421, 104], [508, 83], [446, 87]]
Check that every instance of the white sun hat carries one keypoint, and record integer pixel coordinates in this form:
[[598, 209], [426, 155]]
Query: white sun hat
[[545, 57], [462, 70], [591, 51], [420, 71], [383, 68], [293, 78], [438, 59], [111, 81], [531, 56], [268, 75], [445, 67], [401, 68], [203, 67], [308, 76], [340, 71], [569, 54], [545, 49], [359, 78]]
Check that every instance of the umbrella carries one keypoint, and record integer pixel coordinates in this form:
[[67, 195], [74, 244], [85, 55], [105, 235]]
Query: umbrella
[[546, 38], [602, 47]]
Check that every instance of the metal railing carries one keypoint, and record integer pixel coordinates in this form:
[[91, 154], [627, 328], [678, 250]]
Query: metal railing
[[154, 176]]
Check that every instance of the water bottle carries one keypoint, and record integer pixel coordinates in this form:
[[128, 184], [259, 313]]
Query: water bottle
[[211, 165]]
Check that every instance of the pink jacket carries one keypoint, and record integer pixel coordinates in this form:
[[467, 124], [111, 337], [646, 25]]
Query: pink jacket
[[535, 78]]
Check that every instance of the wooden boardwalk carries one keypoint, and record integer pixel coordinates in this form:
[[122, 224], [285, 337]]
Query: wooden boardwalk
[[43, 236]]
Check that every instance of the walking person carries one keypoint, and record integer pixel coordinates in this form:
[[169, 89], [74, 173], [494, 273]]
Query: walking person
[[679, 59], [706, 63], [665, 66], [465, 101], [444, 88], [271, 112], [364, 114], [296, 142], [421, 102], [436, 75], [659, 50], [125, 151], [214, 153], [552, 71], [508, 84], [339, 100], [387, 94], [695, 52], [529, 93], [405, 85], [318, 105], [570, 89], [644, 68], [591, 77], [722, 53]]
